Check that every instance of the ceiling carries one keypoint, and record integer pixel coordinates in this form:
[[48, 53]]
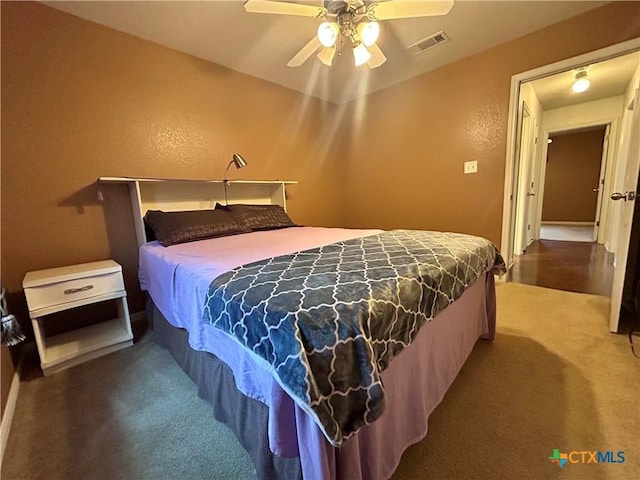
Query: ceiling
[[260, 45], [608, 78]]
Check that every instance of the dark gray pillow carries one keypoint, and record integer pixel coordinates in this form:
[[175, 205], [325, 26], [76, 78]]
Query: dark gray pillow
[[170, 228], [258, 217]]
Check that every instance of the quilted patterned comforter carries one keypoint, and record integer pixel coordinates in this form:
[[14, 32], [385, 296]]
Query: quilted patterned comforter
[[329, 320]]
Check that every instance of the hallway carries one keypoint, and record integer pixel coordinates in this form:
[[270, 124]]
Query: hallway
[[569, 233], [573, 266]]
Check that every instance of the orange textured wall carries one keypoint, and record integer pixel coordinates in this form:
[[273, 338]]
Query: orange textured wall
[[573, 169], [80, 101], [406, 156]]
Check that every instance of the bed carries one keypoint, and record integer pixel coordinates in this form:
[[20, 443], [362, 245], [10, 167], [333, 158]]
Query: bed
[[303, 403]]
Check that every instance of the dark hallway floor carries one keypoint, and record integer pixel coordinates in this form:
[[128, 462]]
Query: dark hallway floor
[[574, 266]]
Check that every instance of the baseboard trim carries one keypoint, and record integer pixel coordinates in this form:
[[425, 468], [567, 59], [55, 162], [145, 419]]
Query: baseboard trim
[[572, 224], [10, 407]]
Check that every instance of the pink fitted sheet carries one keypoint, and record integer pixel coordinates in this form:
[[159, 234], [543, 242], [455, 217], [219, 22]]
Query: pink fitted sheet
[[178, 277]]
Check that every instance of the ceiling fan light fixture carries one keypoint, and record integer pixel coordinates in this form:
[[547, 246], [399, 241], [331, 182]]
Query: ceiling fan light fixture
[[369, 32], [326, 55], [328, 33], [353, 20], [581, 83], [360, 54]]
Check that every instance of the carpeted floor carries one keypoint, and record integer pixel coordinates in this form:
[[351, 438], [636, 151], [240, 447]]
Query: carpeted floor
[[555, 378], [131, 415]]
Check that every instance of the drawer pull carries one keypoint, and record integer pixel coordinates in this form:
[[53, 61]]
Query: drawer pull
[[70, 291]]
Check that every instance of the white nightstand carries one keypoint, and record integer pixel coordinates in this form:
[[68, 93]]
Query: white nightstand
[[57, 289]]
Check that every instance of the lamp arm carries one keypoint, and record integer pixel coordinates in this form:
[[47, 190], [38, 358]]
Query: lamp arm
[[226, 182], [226, 171]]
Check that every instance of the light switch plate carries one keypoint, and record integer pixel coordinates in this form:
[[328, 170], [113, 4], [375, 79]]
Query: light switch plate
[[471, 166]]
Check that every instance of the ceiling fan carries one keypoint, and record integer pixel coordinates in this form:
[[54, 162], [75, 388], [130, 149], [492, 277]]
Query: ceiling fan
[[353, 20]]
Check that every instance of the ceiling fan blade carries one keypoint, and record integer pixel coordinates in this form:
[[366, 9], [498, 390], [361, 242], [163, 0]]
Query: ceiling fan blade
[[377, 57], [305, 52], [326, 55], [407, 9], [284, 8]]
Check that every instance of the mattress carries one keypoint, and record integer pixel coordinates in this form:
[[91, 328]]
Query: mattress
[[177, 279]]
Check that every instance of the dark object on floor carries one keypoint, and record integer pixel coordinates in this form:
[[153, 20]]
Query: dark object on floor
[[11, 332]]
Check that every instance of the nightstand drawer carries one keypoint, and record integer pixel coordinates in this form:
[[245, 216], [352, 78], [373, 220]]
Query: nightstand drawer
[[72, 290], [49, 288]]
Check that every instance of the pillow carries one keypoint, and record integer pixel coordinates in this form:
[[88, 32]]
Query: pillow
[[258, 217], [170, 228]]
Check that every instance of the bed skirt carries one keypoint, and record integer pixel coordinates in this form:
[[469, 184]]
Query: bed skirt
[[247, 418], [419, 377]]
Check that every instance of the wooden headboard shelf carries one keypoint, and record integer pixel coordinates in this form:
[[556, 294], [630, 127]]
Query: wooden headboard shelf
[[174, 194]]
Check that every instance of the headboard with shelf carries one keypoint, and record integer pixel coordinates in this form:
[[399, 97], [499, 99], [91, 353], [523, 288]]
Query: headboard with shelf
[[183, 194]]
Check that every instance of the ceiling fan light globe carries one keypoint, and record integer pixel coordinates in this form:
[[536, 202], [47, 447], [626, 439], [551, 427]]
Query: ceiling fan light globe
[[328, 33], [361, 55], [369, 32], [581, 85]]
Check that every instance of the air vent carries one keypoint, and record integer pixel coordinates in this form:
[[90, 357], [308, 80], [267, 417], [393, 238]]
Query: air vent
[[428, 43]]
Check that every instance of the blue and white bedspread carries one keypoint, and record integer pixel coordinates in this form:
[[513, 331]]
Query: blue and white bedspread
[[329, 320]]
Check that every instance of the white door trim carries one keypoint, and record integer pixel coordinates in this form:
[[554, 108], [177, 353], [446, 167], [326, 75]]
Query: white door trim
[[601, 221], [608, 164]]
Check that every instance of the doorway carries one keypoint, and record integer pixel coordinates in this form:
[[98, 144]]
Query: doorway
[[598, 257], [572, 194], [566, 255]]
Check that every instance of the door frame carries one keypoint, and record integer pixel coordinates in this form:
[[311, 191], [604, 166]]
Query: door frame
[[601, 221], [607, 165], [509, 200]]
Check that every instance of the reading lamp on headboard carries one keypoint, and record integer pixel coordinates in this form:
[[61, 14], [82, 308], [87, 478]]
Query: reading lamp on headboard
[[239, 162]]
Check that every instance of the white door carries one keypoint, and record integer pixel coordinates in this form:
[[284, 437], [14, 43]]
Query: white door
[[522, 203], [600, 187], [628, 197], [532, 189]]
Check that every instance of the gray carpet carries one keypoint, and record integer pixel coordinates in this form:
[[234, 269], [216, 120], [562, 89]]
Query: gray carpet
[[554, 378], [130, 415]]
